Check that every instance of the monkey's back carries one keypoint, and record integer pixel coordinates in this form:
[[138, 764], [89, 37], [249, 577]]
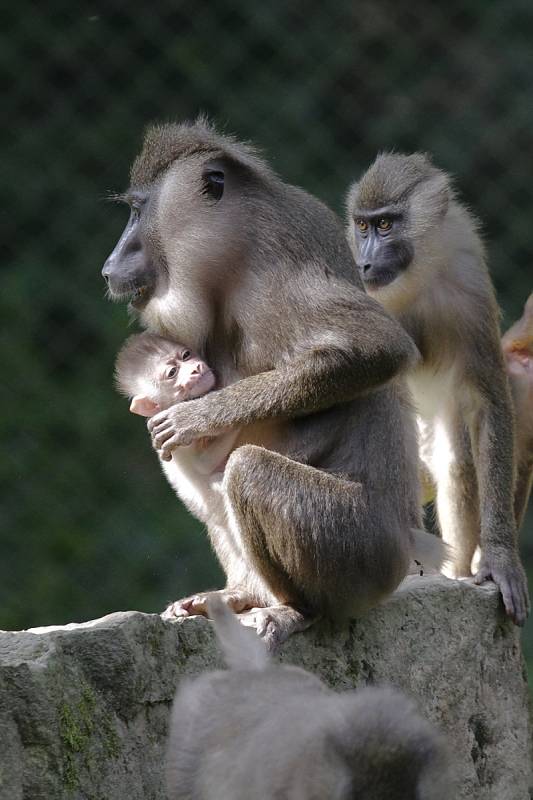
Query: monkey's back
[[280, 732]]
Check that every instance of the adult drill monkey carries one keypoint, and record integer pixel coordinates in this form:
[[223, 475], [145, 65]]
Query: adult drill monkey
[[256, 277], [419, 253]]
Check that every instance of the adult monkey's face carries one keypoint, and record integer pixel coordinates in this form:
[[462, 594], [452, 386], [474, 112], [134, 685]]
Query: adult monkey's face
[[131, 269], [190, 225], [170, 221]]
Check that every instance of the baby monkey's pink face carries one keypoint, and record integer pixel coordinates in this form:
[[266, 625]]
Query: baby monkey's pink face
[[180, 376], [184, 376]]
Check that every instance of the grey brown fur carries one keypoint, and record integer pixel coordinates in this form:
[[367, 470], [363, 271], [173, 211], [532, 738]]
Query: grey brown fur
[[256, 276], [420, 254], [262, 731], [517, 344]]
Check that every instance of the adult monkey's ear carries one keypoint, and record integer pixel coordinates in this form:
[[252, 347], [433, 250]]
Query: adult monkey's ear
[[143, 406], [226, 169]]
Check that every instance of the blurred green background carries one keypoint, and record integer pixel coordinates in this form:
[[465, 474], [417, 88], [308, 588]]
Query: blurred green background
[[89, 524]]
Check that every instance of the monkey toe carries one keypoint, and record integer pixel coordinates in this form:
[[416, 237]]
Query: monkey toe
[[275, 624], [197, 604], [187, 607], [174, 611]]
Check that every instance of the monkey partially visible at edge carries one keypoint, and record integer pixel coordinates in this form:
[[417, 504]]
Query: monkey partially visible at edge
[[517, 344], [256, 277], [419, 253], [261, 731]]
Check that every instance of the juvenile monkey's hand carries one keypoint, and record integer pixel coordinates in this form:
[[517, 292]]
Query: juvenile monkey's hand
[[178, 426], [507, 572]]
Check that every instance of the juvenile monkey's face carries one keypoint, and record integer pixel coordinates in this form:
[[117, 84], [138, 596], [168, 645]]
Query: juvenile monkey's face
[[394, 211], [381, 247]]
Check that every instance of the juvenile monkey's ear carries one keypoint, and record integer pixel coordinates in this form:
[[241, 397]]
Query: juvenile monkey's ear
[[143, 406]]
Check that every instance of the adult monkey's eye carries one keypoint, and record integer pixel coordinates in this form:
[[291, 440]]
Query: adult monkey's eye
[[362, 225], [185, 355], [384, 224], [214, 184]]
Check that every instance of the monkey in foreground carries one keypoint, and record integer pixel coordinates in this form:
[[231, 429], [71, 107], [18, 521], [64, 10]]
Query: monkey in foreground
[[256, 277], [517, 344], [419, 253], [260, 731]]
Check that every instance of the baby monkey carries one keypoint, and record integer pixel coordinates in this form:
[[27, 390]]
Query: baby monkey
[[262, 730], [156, 373]]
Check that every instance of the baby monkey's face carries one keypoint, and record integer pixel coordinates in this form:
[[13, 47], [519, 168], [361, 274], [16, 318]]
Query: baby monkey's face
[[179, 376], [183, 376]]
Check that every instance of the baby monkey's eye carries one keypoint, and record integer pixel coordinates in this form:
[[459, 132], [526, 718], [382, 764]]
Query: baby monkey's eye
[[362, 225], [172, 372], [384, 224], [185, 355]]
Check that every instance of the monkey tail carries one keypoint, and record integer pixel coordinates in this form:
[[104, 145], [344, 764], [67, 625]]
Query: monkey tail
[[429, 551], [241, 646]]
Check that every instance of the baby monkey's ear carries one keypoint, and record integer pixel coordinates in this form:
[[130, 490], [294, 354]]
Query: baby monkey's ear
[[143, 406]]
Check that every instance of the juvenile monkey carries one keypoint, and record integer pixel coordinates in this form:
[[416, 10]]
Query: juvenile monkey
[[261, 731], [256, 277], [517, 344], [419, 253]]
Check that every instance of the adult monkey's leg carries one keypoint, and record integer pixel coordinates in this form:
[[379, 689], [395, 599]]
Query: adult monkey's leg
[[311, 537]]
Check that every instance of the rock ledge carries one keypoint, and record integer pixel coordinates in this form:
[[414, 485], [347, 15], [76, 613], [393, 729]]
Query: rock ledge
[[84, 707]]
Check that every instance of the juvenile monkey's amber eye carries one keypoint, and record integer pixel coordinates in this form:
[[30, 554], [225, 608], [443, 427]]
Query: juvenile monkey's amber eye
[[384, 224], [362, 225]]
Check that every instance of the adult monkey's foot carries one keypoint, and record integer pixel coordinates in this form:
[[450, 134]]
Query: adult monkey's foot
[[236, 599], [508, 574], [275, 624]]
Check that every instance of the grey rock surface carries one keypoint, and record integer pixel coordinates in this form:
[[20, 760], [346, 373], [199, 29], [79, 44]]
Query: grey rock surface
[[84, 707]]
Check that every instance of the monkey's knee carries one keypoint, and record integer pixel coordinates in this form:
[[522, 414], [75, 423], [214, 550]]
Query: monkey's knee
[[248, 467]]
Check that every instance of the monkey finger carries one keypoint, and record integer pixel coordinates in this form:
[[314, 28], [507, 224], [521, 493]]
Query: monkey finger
[[159, 439], [159, 419], [167, 425], [521, 604], [180, 439], [508, 600]]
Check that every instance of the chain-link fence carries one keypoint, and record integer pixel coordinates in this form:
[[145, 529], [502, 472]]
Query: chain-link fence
[[89, 525]]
